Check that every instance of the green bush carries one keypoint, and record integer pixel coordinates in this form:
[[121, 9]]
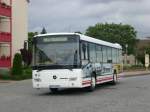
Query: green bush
[[27, 70], [6, 74], [27, 76], [17, 68], [133, 67], [5, 77], [27, 73]]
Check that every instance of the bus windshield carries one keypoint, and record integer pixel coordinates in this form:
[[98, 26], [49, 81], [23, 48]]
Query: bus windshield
[[56, 50]]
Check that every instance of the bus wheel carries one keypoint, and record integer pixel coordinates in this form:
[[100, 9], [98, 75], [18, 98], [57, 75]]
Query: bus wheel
[[54, 90], [114, 79], [93, 84]]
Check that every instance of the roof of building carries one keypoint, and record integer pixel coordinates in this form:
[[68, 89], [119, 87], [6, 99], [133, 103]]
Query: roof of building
[[143, 43], [86, 38]]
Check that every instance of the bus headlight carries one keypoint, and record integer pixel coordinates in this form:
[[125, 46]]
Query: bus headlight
[[73, 79]]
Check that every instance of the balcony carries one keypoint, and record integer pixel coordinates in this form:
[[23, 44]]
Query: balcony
[[5, 61], [5, 37], [5, 10]]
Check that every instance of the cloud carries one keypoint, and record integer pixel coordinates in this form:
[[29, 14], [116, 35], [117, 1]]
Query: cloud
[[77, 15], [106, 1]]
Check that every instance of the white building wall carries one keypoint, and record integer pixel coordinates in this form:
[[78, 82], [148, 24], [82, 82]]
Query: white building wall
[[19, 24]]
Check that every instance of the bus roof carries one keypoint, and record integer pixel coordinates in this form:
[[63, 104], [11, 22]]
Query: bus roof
[[86, 38]]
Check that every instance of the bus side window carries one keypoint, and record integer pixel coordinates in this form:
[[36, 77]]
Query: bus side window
[[92, 52], [114, 55], [98, 53], [84, 53], [120, 56], [104, 54], [117, 50], [109, 55]]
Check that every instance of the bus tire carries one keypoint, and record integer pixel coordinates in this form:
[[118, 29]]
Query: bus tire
[[93, 84], [54, 90], [114, 82]]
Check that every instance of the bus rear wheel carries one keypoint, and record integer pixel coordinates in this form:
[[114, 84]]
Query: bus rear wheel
[[54, 90], [114, 79]]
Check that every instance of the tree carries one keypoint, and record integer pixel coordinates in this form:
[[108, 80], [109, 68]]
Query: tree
[[115, 33], [30, 38], [43, 31], [78, 32], [27, 52], [17, 65]]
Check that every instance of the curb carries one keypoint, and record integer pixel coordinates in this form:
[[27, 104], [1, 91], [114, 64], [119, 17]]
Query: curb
[[1, 81], [133, 75]]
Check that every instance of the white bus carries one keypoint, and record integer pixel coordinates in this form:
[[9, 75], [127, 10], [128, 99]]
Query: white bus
[[72, 60]]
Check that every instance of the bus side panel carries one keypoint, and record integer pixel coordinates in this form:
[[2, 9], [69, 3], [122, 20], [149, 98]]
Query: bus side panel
[[103, 79], [106, 73], [86, 82]]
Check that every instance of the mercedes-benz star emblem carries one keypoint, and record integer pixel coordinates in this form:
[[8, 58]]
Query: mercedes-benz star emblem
[[54, 77]]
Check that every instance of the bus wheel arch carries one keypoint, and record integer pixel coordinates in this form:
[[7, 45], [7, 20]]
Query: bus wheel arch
[[54, 90], [94, 74], [93, 82], [115, 71]]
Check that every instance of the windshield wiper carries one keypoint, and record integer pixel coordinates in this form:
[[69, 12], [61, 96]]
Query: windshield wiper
[[48, 67]]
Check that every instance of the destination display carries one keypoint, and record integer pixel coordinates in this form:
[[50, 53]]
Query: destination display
[[54, 39]]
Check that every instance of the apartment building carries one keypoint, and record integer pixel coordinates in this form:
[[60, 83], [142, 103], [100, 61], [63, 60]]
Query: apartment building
[[13, 29]]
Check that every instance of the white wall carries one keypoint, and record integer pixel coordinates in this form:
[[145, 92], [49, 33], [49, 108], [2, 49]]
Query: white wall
[[19, 24], [6, 2]]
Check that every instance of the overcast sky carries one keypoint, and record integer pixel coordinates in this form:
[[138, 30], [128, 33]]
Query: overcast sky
[[77, 15]]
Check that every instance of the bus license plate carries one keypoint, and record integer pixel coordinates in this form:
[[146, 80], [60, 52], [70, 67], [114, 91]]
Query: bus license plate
[[54, 86]]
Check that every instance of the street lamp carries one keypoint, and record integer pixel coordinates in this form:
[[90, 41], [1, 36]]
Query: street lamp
[[25, 44], [126, 53]]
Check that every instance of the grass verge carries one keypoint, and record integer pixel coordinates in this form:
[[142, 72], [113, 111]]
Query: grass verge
[[6, 75]]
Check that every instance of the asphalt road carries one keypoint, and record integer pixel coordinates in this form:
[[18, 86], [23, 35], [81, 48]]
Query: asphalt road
[[129, 95]]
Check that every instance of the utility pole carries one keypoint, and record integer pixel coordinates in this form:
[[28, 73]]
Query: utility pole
[[126, 53]]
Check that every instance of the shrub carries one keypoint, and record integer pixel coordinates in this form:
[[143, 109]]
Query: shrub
[[5, 74], [28, 71], [17, 65], [133, 67], [5, 77]]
